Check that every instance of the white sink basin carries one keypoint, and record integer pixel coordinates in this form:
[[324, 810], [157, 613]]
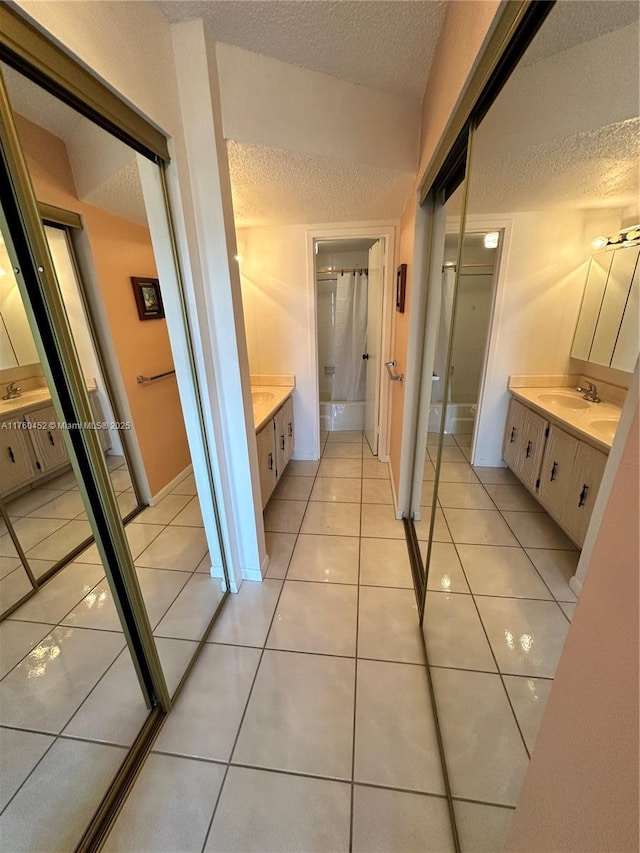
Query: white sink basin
[[262, 396], [605, 428], [564, 401]]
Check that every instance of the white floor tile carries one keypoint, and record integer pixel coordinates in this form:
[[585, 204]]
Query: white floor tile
[[27, 502], [464, 496], [263, 812], [13, 588], [396, 742], [247, 614], [379, 522], [479, 527], [557, 568], [351, 468], [529, 699], [186, 486], [495, 570], [385, 821], [440, 530], [445, 569], [61, 542], [341, 436], [526, 636], [454, 633], [496, 475], [190, 516], [374, 469], [47, 687], [385, 562], [176, 548], [481, 829], [8, 565], [16, 641], [486, 758], [330, 559], [279, 548], [388, 625], [190, 614], [331, 519], [169, 808], [68, 505], [54, 806], [293, 488], [20, 753], [284, 516], [376, 491], [301, 468], [454, 472], [207, 715], [568, 609], [315, 617], [164, 511], [340, 489], [537, 530], [513, 497], [300, 715], [61, 594], [342, 450], [29, 531]]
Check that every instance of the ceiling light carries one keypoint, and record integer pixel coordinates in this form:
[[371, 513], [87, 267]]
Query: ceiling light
[[491, 240], [625, 237], [599, 242]]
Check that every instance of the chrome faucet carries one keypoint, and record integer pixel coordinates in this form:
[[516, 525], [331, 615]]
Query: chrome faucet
[[590, 393], [13, 391]]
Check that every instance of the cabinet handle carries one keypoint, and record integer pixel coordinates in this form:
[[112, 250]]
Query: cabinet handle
[[271, 461], [583, 494], [282, 441], [51, 441], [554, 468], [290, 429], [513, 435], [11, 456], [528, 453]]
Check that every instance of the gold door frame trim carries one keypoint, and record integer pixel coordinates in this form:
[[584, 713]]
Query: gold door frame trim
[[49, 213], [37, 56]]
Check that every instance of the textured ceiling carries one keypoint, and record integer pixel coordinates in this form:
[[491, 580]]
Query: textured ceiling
[[385, 45], [271, 186], [577, 21]]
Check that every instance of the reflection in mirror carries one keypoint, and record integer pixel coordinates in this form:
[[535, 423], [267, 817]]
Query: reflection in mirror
[[495, 636], [16, 581]]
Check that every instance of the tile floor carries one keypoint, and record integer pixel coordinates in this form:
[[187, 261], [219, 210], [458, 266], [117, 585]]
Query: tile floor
[[306, 724], [70, 702]]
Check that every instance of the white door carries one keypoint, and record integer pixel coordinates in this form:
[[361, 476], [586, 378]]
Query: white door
[[374, 344]]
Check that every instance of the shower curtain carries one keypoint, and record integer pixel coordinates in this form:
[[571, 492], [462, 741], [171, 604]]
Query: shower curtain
[[444, 329], [350, 337]]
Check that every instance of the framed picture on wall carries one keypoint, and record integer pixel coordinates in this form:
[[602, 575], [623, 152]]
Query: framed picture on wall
[[148, 298], [401, 286]]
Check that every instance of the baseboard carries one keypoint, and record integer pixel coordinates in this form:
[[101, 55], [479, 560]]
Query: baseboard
[[265, 565], [397, 512], [252, 575], [575, 586], [165, 490]]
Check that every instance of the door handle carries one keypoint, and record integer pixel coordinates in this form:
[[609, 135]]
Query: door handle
[[528, 453], [11, 456], [513, 435], [394, 377], [271, 461], [365, 356], [282, 441], [583, 494], [554, 468], [51, 441], [290, 430]]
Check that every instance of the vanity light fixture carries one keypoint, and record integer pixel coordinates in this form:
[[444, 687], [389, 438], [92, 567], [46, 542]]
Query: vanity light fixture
[[624, 237], [491, 240]]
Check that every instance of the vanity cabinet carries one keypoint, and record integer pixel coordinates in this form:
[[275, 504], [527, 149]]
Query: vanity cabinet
[[524, 442], [560, 470], [275, 446], [17, 459], [30, 452]]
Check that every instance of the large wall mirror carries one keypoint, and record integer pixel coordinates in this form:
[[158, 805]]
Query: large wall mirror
[[497, 564]]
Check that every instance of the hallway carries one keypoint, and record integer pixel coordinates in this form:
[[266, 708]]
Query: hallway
[[306, 724]]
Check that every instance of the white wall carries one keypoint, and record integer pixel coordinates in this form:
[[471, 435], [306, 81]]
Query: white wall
[[320, 114], [542, 273]]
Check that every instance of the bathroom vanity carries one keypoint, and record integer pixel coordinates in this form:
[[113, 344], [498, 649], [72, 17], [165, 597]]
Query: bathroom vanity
[[273, 420], [557, 443], [30, 448]]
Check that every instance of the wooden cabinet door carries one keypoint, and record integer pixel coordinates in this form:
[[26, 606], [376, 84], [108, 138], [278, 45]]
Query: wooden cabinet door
[[513, 433], [266, 461], [47, 439], [282, 428], [289, 430], [17, 459], [557, 470], [587, 474], [531, 448]]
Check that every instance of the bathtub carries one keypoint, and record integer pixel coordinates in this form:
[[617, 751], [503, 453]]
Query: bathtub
[[341, 415], [460, 418]]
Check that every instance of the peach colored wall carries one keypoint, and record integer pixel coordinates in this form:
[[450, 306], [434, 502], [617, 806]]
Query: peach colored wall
[[581, 791], [465, 27], [120, 249]]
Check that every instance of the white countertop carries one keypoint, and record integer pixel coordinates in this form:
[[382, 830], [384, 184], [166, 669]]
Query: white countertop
[[593, 422], [266, 399], [29, 400]]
